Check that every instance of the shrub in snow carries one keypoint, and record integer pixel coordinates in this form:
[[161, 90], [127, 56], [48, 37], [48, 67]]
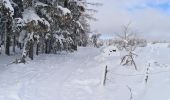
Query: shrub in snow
[[128, 42]]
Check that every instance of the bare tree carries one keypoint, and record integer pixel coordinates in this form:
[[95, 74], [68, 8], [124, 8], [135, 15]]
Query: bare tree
[[127, 41]]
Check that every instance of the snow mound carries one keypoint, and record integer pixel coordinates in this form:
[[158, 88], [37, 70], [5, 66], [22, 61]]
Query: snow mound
[[110, 51]]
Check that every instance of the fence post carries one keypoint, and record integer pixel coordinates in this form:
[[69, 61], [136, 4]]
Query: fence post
[[105, 76]]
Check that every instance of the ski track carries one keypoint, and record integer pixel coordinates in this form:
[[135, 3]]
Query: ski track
[[78, 76], [54, 77]]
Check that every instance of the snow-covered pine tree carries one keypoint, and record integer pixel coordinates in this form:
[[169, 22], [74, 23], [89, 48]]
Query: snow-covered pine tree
[[33, 24], [7, 12], [75, 28], [50, 26]]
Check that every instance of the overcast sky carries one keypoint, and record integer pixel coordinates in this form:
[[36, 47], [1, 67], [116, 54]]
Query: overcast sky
[[150, 18]]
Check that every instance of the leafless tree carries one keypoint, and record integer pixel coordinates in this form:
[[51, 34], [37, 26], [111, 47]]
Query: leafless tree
[[128, 42]]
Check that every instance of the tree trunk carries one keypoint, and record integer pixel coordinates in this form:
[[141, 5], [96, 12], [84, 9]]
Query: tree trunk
[[20, 45], [37, 49], [50, 46], [7, 45], [7, 38], [14, 43], [31, 50], [46, 46]]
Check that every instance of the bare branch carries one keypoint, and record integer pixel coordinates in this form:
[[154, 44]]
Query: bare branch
[[131, 94], [128, 42]]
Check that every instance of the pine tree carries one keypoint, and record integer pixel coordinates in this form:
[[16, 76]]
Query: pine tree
[[49, 26], [7, 12]]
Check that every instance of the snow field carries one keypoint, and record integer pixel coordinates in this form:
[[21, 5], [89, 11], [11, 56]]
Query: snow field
[[79, 76]]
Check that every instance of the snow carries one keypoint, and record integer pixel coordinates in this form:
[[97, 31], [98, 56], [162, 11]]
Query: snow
[[110, 51], [65, 11], [80, 25], [19, 22], [60, 38], [29, 15], [40, 4], [8, 5], [22, 36], [78, 75], [79, 2]]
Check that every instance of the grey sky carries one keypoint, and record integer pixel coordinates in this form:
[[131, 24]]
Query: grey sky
[[150, 18]]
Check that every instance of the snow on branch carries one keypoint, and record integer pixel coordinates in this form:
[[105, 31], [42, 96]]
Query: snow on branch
[[7, 4], [80, 25], [40, 4], [65, 11], [30, 15]]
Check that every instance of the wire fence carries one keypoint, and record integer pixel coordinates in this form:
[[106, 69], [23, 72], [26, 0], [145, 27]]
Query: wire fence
[[154, 73]]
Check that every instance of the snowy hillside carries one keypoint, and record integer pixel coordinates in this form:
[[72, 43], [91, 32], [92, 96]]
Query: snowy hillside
[[79, 76]]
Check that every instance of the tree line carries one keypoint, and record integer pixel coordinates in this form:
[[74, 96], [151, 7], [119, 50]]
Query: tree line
[[44, 26]]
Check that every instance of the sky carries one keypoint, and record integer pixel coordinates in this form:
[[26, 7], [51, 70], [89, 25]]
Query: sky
[[150, 19]]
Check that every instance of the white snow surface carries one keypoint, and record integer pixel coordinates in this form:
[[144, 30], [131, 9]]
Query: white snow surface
[[79, 76]]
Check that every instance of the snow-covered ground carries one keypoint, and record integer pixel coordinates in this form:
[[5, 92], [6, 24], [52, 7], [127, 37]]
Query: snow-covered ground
[[79, 76]]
